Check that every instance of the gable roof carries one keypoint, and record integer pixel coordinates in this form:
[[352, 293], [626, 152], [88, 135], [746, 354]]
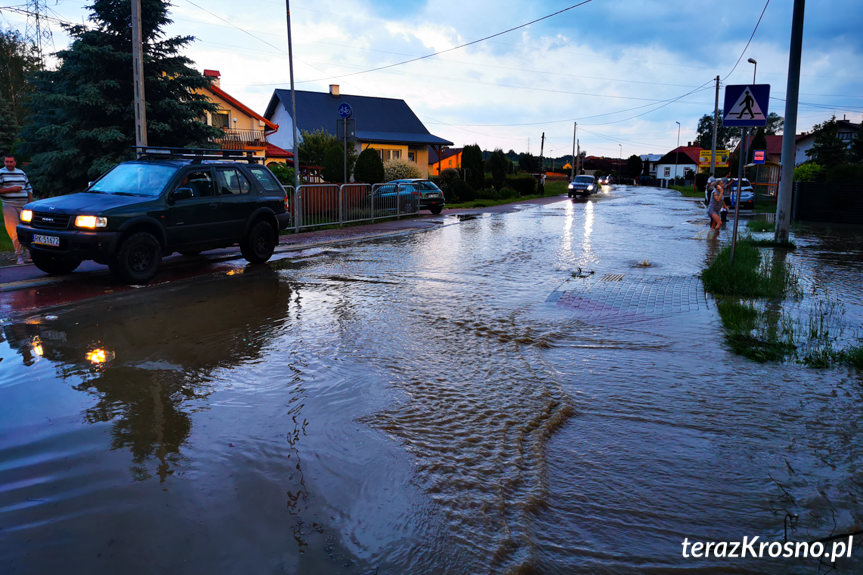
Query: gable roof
[[378, 120], [215, 89], [683, 153], [447, 153]]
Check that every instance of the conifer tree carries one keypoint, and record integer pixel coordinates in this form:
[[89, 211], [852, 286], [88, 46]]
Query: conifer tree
[[82, 118]]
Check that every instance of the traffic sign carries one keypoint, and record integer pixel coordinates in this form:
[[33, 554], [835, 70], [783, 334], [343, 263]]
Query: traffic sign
[[746, 105], [758, 156], [345, 110]]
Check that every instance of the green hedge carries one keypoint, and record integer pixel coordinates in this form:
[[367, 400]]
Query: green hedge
[[524, 185]]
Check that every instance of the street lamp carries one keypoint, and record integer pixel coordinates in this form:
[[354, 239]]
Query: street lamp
[[754, 62], [619, 161], [676, 151]]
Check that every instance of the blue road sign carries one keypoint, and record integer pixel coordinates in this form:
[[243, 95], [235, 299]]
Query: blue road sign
[[746, 105], [345, 110]]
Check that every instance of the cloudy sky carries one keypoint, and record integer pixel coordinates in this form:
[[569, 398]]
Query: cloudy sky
[[501, 73]]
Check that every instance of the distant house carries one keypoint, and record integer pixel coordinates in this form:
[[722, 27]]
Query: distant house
[[677, 162], [448, 158], [386, 125], [804, 142], [648, 164], [242, 128]]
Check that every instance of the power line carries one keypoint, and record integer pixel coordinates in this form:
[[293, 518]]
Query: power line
[[749, 41], [455, 47]]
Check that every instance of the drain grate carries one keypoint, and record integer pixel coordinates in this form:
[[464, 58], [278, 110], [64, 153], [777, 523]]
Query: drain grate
[[616, 295]]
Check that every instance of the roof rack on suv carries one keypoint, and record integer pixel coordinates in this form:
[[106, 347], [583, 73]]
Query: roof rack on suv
[[196, 154]]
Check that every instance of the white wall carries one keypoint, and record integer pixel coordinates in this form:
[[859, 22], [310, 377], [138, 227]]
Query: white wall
[[678, 173], [284, 138]]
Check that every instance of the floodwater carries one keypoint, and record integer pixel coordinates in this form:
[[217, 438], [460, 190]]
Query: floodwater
[[544, 391]]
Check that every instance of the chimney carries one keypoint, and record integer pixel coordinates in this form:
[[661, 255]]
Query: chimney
[[334, 90], [214, 76]]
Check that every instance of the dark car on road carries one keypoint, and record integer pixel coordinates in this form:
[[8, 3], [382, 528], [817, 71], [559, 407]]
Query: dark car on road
[[582, 186], [168, 200], [431, 196]]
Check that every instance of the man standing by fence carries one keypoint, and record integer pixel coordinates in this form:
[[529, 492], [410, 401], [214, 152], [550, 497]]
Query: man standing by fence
[[16, 192]]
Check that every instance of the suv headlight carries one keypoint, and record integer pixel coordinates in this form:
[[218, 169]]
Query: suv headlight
[[26, 216], [91, 222]]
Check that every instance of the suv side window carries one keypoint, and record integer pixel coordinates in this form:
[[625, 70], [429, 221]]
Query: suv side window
[[201, 182], [232, 181], [266, 178]]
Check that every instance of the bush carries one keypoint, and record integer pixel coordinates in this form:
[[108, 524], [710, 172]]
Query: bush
[[507, 193], [453, 187], [488, 193], [845, 174], [283, 173], [398, 169], [701, 181], [523, 185], [808, 172], [461, 192], [369, 168]]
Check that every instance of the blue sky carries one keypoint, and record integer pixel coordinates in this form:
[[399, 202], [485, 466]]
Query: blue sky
[[625, 70]]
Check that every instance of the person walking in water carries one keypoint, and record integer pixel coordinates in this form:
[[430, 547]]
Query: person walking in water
[[715, 206]]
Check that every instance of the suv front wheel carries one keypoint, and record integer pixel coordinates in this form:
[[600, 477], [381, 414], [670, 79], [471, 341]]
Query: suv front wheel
[[259, 243], [138, 258]]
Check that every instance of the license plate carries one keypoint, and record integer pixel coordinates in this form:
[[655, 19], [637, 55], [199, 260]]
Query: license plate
[[42, 240]]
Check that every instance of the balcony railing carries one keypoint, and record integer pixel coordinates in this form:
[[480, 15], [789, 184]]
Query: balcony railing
[[241, 139]]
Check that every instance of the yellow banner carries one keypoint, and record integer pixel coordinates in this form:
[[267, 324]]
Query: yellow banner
[[722, 157]]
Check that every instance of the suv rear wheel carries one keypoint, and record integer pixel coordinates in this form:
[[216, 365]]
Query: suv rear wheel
[[54, 264], [138, 258], [260, 242]]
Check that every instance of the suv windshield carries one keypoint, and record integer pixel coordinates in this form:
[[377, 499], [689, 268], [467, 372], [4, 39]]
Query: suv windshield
[[135, 179]]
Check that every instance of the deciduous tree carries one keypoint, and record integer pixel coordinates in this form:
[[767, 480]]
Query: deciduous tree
[[828, 150]]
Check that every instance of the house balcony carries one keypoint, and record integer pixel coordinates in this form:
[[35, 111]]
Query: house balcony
[[241, 140]]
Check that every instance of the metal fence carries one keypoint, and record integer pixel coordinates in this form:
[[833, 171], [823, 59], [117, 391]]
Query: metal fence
[[318, 205]]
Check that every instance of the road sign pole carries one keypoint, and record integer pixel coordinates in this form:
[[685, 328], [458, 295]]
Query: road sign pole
[[741, 158]]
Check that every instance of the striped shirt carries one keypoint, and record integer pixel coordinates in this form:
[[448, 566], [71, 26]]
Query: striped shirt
[[15, 177]]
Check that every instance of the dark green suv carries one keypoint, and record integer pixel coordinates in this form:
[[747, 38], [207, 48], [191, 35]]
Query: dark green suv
[[168, 200]]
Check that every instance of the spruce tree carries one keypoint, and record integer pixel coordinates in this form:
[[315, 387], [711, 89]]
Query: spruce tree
[[82, 119]]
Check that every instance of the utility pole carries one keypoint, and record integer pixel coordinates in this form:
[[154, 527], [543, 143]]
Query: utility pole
[[541, 148], [138, 75], [574, 160], [715, 130], [786, 180], [577, 158], [293, 114]]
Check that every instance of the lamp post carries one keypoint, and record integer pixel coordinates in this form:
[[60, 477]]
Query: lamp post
[[676, 151], [754, 62], [619, 162]]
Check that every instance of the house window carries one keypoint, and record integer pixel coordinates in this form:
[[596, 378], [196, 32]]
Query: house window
[[221, 120], [667, 172], [412, 156]]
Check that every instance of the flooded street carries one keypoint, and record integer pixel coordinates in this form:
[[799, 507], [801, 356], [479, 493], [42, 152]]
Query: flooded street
[[543, 391]]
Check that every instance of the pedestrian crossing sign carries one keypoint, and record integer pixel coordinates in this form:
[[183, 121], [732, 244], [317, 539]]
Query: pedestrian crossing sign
[[746, 105]]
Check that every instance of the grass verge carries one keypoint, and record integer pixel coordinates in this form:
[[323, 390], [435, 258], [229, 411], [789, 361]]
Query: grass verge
[[688, 191], [757, 328]]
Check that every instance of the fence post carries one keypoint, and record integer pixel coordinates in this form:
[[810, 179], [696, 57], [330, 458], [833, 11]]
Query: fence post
[[341, 204]]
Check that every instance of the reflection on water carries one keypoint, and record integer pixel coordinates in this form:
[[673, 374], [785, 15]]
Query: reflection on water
[[423, 405], [143, 364]]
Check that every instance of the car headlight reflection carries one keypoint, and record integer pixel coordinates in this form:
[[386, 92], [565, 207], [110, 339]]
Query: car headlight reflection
[[26, 216], [90, 222]]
